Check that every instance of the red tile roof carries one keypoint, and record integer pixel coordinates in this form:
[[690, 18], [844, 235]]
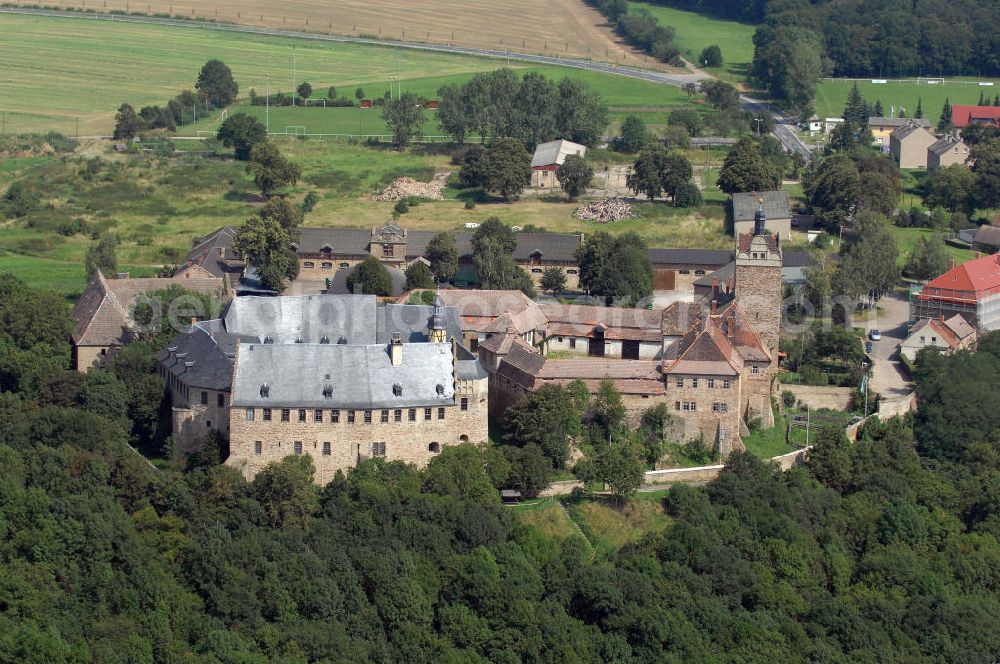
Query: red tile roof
[[963, 116], [747, 238], [973, 279]]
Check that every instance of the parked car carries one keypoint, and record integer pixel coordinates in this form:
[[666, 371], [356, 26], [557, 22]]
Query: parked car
[[874, 335]]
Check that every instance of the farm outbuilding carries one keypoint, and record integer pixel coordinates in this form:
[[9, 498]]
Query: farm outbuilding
[[548, 158]]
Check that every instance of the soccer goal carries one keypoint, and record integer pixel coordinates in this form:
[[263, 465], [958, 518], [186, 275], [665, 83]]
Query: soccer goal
[[295, 130], [929, 81]]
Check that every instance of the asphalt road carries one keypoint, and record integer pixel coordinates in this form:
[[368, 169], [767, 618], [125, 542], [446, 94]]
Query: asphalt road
[[892, 319], [783, 131]]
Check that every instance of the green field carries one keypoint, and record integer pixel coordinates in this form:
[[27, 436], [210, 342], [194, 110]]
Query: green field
[[694, 32], [831, 95], [907, 238], [56, 71]]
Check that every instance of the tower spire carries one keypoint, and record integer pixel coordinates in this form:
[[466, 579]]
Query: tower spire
[[759, 220], [438, 333]]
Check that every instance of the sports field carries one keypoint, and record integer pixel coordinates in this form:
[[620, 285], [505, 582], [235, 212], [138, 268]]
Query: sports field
[[694, 32], [58, 70], [831, 94]]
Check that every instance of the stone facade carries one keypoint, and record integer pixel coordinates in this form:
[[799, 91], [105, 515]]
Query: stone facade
[[409, 434], [706, 407], [758, 285]]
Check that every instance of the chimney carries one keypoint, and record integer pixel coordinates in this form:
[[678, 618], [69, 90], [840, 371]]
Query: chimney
[[122, 275], [194, 319], [731, 283], [396, 350], [222, 252], [715, 305], [715, 288], [951, 264]]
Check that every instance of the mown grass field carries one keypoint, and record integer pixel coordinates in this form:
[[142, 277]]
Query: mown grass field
[[694, 32], [57, 71], [831, 95]]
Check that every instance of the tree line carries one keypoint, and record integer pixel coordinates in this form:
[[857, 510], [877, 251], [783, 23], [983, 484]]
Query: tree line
[[640, 29], [215, 88], [881, 550]]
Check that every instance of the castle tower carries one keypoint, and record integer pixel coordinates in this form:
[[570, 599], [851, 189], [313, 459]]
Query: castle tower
[[436, 329], [758, 280]]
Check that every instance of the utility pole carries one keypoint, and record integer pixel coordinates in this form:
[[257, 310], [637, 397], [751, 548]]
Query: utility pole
[[399, 74], [267, 102]]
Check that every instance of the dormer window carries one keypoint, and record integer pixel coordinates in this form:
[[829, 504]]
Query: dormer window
[[397, 390], [268, 340], [324, 339], [328, 391], [265, 391], [440, 389]]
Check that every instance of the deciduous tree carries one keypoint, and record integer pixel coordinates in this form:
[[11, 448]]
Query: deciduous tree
[[242, 133], [370, 277], [746, 169], [506, 168], [442, 252], [270, 169], [267, 246], [127, 123], [216, 84], [404, 116], [553, 279], [574, 176]]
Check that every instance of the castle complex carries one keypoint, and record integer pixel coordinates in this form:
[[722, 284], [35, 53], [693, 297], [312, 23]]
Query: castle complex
[[343, 378]]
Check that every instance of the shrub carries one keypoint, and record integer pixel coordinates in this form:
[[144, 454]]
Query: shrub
[[688, 196], [309, 202], [788, 398], [402, 206], [470, 205]]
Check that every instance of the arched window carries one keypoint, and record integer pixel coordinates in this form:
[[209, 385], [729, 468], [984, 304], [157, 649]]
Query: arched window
[[434, 448], [464, 438]]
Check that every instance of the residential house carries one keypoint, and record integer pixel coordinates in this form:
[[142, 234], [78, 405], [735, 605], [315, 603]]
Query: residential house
[[908, 145], [987, 239], [213, 256], [947, 150], [547, 159], [963, 116], [948, 335], [882, 128], [971, 290]]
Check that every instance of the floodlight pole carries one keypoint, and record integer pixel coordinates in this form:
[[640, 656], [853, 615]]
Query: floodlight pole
[[267, 102], [293, 75]]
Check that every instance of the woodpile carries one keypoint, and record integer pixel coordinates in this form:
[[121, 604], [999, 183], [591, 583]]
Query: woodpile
[[406, 187], [605, 211]]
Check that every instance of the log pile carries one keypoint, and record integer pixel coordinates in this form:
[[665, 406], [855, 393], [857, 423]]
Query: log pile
[[605, 211], [406, 187]]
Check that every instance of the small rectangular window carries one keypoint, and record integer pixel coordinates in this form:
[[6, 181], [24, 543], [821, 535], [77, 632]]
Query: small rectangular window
[[204, 398], [694, 382], [427, 413], [350, 417], [440, 413], [297, 446], [378, 449], [711, 383], [267, 414], [572, 343], [368, 417], [258, 447], [725, 384], [249, 414], [397, 415], [719, 407], [754, 369], [286, 415], [385, 416], [335, 416], [326, 448], [679, 382], [412, 415], [318, 415], [302, 414], [220, 400], [464, 403], [677, 405]]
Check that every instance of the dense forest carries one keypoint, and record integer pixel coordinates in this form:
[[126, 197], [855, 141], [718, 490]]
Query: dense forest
[[893, 38], [881, 551]]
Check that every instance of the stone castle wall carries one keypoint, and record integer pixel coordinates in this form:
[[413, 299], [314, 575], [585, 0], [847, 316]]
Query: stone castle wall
[[758, 293], [412, 441]]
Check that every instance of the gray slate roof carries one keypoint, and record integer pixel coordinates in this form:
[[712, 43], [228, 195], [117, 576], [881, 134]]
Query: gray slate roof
[[202, 356], [707, 257], [897, 122], [305, 318], [410, 322], [555, 152], [987, 235], [945, 144], [358, 376], [775, 205], [355, 242]]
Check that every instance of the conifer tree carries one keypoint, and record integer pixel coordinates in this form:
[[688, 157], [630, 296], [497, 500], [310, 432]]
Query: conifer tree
[[945, 121], [919, 113]]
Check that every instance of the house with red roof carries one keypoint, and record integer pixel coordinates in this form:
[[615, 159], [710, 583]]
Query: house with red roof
[[970, 290], [963, 116]]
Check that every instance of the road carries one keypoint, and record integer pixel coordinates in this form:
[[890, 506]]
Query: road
[[891, 320], [783, 130]]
